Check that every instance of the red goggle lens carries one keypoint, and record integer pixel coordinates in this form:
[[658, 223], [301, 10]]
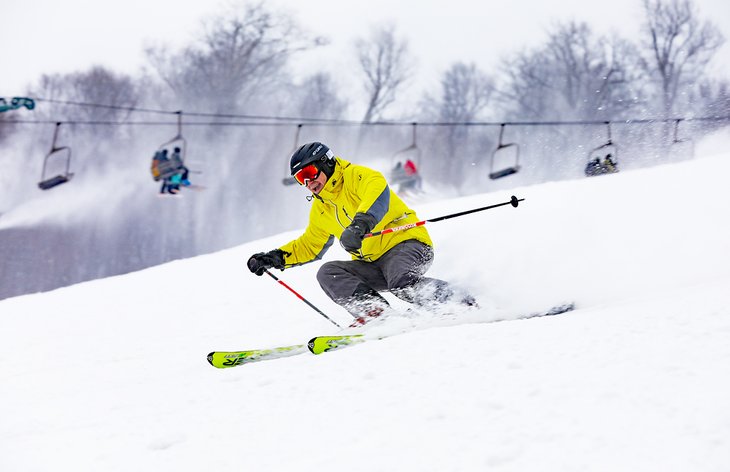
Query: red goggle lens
[[305, 174]]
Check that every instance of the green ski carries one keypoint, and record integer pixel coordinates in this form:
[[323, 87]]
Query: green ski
[[320, 344], [226, 359]]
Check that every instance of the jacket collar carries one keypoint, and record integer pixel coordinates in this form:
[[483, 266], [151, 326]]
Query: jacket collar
[[334, 184]]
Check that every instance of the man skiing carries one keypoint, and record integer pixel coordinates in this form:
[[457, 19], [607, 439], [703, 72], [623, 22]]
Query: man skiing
[[350, 201]]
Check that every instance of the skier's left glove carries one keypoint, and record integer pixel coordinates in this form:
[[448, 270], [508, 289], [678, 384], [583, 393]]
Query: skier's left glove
[[261, 261], [351, 238]]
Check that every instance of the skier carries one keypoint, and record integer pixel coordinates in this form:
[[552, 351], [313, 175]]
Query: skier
[[350, 201]]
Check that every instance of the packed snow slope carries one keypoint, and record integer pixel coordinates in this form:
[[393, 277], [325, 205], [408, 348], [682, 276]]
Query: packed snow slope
[[111, 375]]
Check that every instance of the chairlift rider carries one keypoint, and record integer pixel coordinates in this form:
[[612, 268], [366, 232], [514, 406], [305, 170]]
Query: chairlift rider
[[170, 170], [597, 167], [406, 176]]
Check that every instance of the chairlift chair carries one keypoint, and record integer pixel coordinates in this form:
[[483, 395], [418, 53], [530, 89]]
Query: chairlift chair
[[604, 158], [178, 141], [399, 174], [290, 180], [502, 149], [412, 151], [15, 103], [683, 142], [50, 182]]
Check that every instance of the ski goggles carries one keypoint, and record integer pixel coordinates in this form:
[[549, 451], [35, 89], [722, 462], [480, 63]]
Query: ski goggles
[[306, 174]]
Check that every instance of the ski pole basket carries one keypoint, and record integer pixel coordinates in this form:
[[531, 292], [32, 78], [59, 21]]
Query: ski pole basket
[[56, 153], [509, 152]]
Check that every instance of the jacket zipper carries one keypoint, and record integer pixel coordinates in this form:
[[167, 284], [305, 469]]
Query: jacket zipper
[[337, 217], [337, 213]]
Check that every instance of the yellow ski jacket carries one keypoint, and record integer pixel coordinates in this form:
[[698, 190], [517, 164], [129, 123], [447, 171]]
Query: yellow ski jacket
[[353, 189]]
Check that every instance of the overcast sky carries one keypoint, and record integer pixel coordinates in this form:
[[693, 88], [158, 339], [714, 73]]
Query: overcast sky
[[48, 36]]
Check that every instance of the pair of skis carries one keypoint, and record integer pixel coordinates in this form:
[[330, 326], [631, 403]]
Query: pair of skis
[[321, 344], [317, 345]]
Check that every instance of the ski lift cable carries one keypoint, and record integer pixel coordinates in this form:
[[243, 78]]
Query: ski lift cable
[[328, 121], [358, 123], [197, 114], [100, 105]]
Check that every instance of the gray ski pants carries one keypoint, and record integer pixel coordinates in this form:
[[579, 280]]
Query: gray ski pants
[[355, 284]]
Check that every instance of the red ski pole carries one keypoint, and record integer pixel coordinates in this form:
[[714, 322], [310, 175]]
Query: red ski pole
[[281, 282], [514, 201]]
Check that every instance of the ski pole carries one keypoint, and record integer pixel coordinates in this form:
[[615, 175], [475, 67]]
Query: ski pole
[[514, 201], [281, 282]]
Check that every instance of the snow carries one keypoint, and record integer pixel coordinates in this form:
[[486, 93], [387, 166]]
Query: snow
[[111, 374]]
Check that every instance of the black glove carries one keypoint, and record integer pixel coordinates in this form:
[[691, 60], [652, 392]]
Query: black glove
[[265, 260], [351, 238]]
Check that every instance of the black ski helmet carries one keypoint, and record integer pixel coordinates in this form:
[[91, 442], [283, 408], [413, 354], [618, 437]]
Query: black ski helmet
[[313, 153]]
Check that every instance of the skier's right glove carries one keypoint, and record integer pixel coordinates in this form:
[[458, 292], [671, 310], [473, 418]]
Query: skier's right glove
[[261, 261]]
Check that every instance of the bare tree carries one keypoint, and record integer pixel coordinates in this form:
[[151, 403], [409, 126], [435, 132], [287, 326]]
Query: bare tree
[[599, 74], [575, 75], [107, 96], [6, 124], [386, 63], [465, 93], [716, 95], [678, 46], [239, 53], [318, 98], [526, 92]]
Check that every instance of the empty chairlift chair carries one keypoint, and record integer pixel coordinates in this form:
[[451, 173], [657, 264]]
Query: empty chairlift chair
[[55, 154], [509, 156], [289, 180], [681, 148]]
